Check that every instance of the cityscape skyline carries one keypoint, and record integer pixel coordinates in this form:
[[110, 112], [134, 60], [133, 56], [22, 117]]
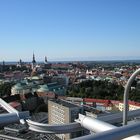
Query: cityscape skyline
[[69, 30]]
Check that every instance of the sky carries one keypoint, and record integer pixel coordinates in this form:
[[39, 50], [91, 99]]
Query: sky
[[69, 30]]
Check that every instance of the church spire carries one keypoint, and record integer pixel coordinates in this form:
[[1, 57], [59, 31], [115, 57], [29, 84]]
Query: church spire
[[3, 63], [46, 61], [33, 61]]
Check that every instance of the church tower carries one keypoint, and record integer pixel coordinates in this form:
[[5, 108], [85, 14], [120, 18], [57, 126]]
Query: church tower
[[3, 66], [46, 61], [3, 63], [33, 62], [47, 65]]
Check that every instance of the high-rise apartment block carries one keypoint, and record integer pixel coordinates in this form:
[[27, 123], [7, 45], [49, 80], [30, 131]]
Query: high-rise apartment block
[[61, 112]]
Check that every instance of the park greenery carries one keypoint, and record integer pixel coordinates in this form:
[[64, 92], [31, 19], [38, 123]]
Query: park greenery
[[101, 90]]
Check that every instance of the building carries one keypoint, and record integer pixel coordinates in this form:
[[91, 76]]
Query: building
[[61, 112], [61, 79], [35, 84], [20, 88], [33, 62], [46, 61], [132, 106], [47, 65]]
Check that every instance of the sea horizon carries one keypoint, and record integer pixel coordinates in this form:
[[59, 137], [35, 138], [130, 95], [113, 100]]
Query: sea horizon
[[72, 61]]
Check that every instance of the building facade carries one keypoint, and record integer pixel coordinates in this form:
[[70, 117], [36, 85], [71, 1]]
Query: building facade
[[61, 112], [132, 106]]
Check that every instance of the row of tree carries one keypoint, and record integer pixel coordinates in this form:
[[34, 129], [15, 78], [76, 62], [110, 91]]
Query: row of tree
[[101, 90]]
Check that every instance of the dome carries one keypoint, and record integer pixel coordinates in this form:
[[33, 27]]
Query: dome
[[35, 78], [34, 89], [43, 88], [18, 86]]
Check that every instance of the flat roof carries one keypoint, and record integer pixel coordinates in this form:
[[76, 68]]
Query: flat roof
[[64, 103]]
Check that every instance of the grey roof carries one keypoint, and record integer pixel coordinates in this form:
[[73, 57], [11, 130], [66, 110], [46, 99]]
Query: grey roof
[[64, 103], [27, 135]]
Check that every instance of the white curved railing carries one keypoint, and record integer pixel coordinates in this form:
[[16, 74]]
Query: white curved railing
[[126, 94], [40, 127]]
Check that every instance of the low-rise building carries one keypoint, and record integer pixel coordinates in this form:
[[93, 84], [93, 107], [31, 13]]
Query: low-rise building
[[132, 106]]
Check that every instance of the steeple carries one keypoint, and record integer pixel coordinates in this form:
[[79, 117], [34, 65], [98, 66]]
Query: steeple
[[19, 64], [46, 61], [3, 66], [33, 61], [47, 65], [20, 61], [3, 63]]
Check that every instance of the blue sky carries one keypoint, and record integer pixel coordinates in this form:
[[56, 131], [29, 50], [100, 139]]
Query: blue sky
[[69, 29]]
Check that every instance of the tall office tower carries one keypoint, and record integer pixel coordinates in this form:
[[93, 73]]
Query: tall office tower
[[61, 112]]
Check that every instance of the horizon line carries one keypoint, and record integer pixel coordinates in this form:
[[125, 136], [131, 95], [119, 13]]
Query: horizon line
[[9, 61]]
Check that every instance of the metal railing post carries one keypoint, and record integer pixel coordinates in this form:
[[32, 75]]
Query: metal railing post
[[126, 94]]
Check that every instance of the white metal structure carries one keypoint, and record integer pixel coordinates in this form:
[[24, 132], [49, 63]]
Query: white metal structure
[[9, 118], [126, 94], [109, 132]]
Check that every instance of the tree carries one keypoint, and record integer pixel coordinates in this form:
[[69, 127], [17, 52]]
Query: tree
[[5, 89], [97, 89]]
